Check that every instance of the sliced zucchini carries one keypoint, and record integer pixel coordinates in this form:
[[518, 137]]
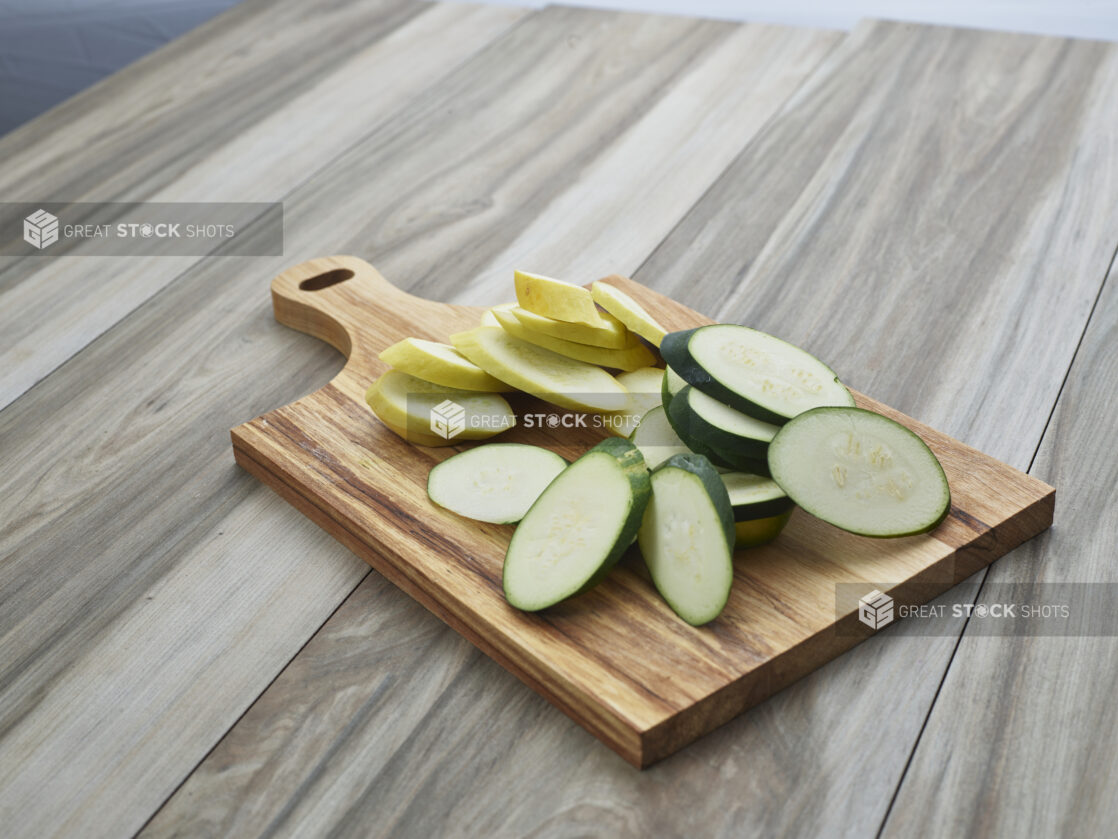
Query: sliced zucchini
[[439, 364], [693, 443], [656, 438], [414, 409], [755, 496], [496, 483], [740, 463], [552, 377], [629, 358], [861, 472], [720, 426], [578, 528], [557, 300], [687, 538], [753, 372], [755, 532], [628, 311], [613, 335], [673, 383]]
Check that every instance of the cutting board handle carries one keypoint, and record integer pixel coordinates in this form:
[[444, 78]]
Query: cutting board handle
[[326, 297]]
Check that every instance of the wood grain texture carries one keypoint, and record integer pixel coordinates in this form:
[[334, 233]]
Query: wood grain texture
[[866, 123], [120, 487], [252, 125], [1022, 740], [499, 762], [926, 174], [630, 198], [616, 659]]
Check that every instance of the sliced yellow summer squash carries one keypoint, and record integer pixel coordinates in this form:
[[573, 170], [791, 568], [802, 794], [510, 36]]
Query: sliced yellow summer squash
[[556, 299], [432, 415], [613, 336], [487, 318], [417, 438], [644, 386], [440, 364], [552, 377], [628, 311], [630, 358]]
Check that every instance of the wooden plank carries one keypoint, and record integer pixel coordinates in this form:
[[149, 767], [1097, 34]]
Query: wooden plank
[[785, 768], [252, 129], [152, 494], [918, 197], [616, 660], [632, 196], [1021, 740]]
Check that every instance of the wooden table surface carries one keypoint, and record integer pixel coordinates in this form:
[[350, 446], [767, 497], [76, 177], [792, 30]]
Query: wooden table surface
[[182, 654]]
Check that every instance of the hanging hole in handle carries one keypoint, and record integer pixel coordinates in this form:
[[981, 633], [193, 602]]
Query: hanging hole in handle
[[321, 281]]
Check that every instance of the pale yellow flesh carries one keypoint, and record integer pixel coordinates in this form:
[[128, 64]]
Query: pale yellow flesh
[[684, 546], [644, 387], [564, 538], [405, 403], [377, 403], [556, 300], [613, 336], [628, 311], [552, 377], [440, 364], [632, 358], [487, 318]]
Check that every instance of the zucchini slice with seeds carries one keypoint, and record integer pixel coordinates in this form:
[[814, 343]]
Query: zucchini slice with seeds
[[496, 482], [860, 471], [687, 538], [753, 371], [578, 528], [720, 426]]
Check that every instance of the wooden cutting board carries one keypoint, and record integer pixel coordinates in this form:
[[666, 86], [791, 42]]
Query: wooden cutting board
[[615, 659]]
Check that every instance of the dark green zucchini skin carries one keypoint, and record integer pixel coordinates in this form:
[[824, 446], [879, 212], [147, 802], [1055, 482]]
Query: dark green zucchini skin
[[665, 393], [763, 509], [675, 351], [740, 463], [701, 467], [692, 442], [632, 461], [711, 435]]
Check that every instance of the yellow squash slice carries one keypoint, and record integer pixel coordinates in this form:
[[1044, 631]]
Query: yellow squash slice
[[440, 364], [613, 336], [552, 377], [630, 358], [644, 386], [557, 300], [487, 318], [432, 415], [628, 311]]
